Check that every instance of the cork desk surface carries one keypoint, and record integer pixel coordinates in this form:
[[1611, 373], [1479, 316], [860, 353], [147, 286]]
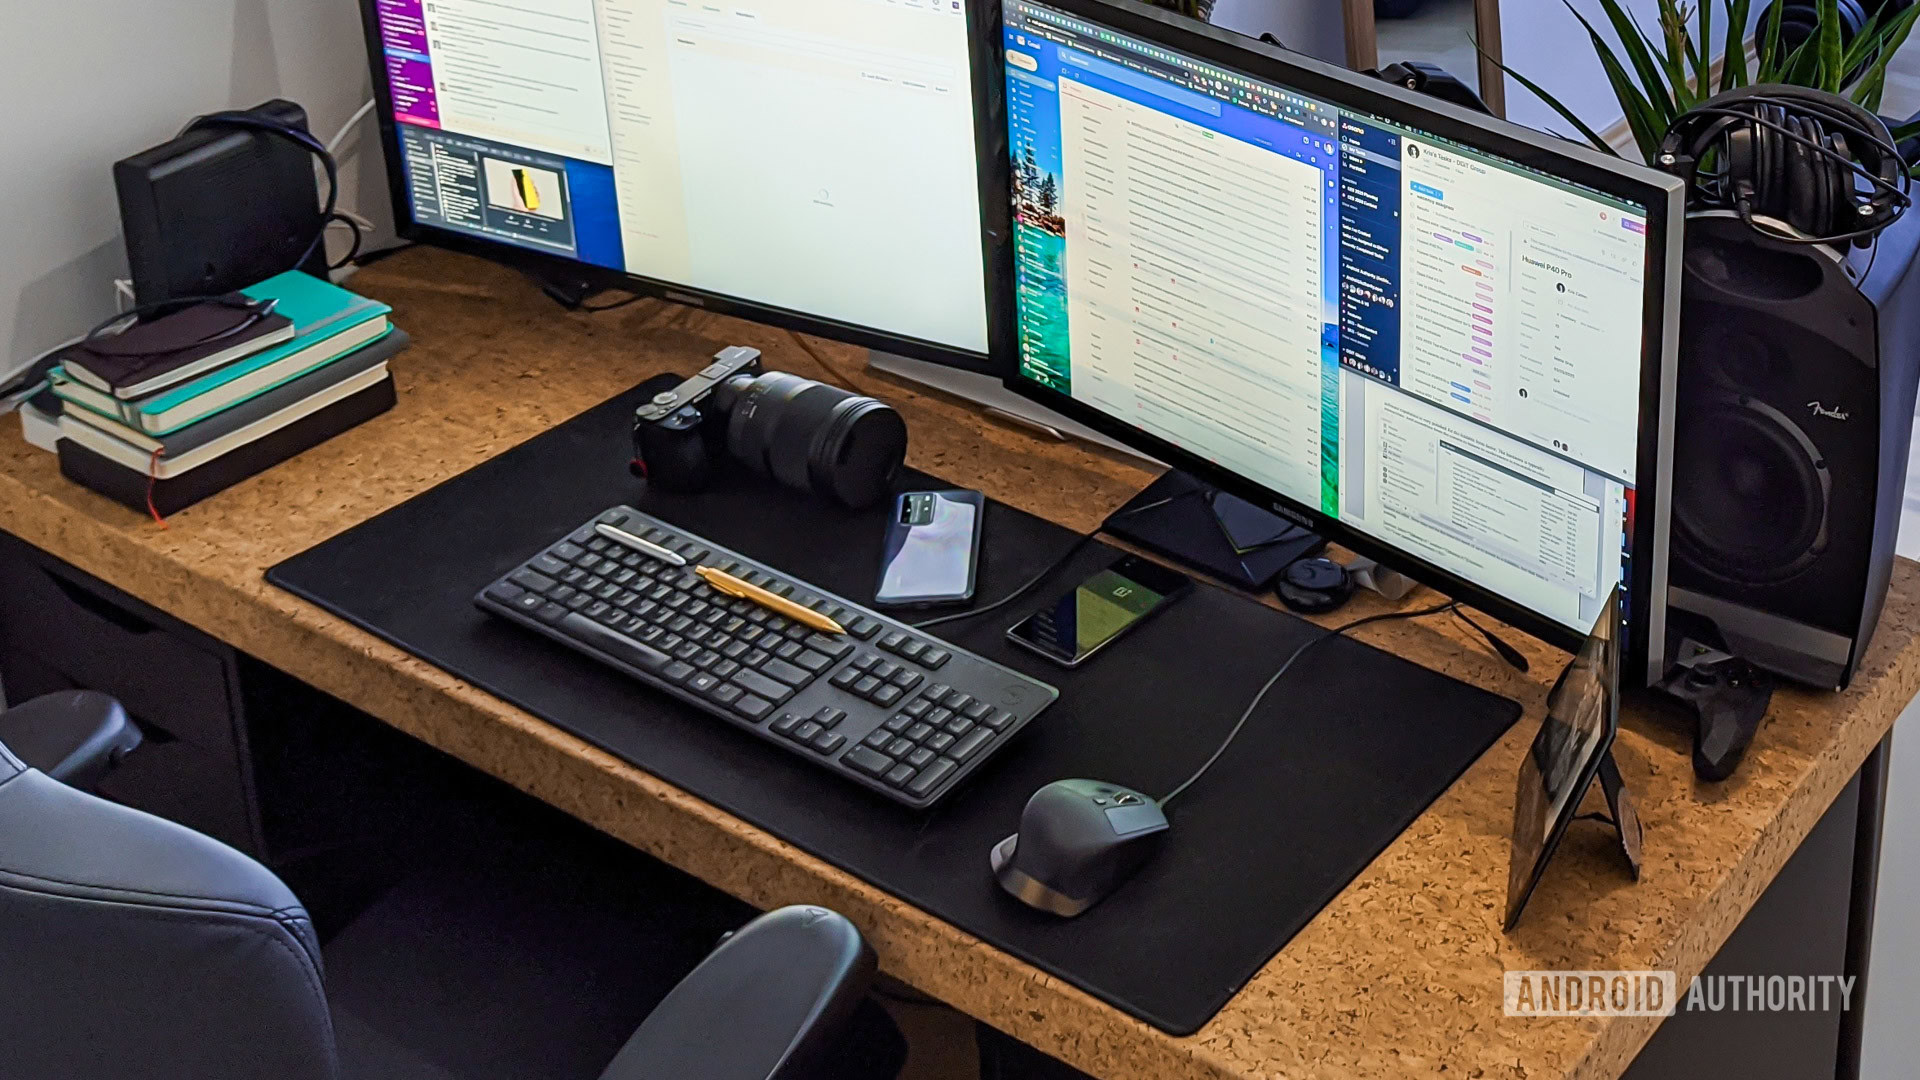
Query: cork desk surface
[[1399, 976]]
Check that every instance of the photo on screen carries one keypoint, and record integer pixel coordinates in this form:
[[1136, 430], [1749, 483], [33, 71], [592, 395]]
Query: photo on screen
[[524, 189]]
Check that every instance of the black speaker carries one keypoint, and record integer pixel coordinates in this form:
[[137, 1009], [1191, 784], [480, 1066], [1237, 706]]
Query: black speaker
[[220, 208], [1793, 424]]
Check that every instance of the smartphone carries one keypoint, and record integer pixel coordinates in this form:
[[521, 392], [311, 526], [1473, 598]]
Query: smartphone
[[933, 549], [1105, 606]]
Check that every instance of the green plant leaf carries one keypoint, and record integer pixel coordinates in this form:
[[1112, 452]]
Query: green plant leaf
[[1648, 124], [1652, 91], [1797, 68], [1704, 52], [1769, 67], [1873, 83], [1697, 52], [1906, 131], [1733, 65], [1670, 54], [1863, 43], [1829, 74], [1567, 114]]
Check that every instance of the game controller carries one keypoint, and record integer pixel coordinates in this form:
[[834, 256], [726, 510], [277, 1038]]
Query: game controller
[[1729, 698]]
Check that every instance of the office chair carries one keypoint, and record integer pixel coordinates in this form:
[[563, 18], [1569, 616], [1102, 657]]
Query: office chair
[[132, 947]]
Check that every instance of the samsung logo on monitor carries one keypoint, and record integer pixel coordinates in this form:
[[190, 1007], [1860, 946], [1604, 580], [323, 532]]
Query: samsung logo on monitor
[[1293, 515]]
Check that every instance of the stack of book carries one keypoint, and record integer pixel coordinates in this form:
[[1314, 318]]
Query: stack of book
[[178, 408]]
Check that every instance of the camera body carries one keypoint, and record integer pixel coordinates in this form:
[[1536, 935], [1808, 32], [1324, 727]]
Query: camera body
[[678, 435], [803, 434]]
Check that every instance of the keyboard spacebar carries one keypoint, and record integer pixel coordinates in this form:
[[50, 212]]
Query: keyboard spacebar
[[618, 646]]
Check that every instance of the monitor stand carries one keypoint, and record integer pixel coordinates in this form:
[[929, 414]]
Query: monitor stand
[[992, 395], [1207, 529]]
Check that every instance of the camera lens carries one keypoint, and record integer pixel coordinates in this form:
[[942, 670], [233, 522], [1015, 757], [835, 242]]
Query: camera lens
[[813, 437]]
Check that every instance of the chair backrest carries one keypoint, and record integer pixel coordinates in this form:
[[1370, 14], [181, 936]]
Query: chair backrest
[[131, 947]]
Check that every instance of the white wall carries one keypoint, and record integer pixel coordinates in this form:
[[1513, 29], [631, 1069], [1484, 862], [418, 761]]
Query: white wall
[[87, 82]]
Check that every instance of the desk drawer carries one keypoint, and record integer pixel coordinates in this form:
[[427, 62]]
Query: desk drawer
[[63, 630], [98, 643]]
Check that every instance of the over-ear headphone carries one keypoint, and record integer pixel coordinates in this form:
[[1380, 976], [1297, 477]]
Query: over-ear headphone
[[1792, 154]]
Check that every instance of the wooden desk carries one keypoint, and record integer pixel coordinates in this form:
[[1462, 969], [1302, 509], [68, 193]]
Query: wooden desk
[[1399, 976]]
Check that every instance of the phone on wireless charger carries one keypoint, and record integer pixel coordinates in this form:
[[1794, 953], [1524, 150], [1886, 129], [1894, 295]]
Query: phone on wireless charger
[[933, 549], [1103, 607]]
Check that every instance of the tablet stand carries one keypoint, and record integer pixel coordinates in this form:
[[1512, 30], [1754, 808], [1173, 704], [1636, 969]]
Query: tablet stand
[[1225, 536]]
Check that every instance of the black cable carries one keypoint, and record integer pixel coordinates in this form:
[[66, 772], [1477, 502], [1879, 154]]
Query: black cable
[[1254, 705], [1038, 580], [1511, 655], [595, 309], [303, 139], [111, 327]]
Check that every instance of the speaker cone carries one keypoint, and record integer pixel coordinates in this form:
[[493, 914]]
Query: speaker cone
[[1751, 493]]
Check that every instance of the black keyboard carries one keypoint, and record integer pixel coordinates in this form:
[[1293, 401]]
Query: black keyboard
[[884, 705]]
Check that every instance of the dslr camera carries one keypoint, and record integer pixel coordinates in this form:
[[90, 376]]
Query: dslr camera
[[805, 435]]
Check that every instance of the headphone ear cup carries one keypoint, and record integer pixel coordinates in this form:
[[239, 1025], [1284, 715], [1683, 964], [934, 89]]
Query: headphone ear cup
[[1774, 166], [1739, 151], [1841, 215], [1803, 182]]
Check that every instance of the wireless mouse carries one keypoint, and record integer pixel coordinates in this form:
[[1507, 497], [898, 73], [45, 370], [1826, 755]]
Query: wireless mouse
[[1079, 840]]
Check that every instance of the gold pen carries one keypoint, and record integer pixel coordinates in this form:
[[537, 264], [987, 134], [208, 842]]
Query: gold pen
[[773, 602]]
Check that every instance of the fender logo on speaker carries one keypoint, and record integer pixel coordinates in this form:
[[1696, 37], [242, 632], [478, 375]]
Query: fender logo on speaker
[[1831, 414]]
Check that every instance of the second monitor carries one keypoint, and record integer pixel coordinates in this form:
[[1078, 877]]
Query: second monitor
[[806, 162], [1442, 340]]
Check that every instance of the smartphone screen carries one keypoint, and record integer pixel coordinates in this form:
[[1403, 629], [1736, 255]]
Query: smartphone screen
[[1102, 608]]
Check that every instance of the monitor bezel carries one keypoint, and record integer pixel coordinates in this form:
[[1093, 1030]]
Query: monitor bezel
[[983, 26], [1663, 195]]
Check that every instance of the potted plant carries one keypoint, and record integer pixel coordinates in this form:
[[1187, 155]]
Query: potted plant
[[1657, 79]]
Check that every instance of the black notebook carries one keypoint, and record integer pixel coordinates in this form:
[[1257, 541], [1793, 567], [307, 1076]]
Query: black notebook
[[166, 352], [142, 492]]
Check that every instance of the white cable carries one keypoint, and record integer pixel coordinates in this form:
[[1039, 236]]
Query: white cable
[[333, 144]]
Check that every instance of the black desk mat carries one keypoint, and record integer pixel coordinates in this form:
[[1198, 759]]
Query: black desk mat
[[1348, 750]]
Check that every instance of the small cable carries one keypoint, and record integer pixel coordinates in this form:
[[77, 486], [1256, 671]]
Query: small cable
[[1254, 705], [33, 374], [595, 309], [1038, 580], [1511, 655], [359, 237], [333, 144], [300, 137]]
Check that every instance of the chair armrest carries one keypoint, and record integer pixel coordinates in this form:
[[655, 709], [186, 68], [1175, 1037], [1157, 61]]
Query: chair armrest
[[75, 736], [768, 1004]]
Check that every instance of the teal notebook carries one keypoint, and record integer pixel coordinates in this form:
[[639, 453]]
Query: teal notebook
[[329, 323]]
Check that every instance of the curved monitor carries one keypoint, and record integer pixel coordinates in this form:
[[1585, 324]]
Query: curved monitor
[[1437, 338], [809, 163]]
